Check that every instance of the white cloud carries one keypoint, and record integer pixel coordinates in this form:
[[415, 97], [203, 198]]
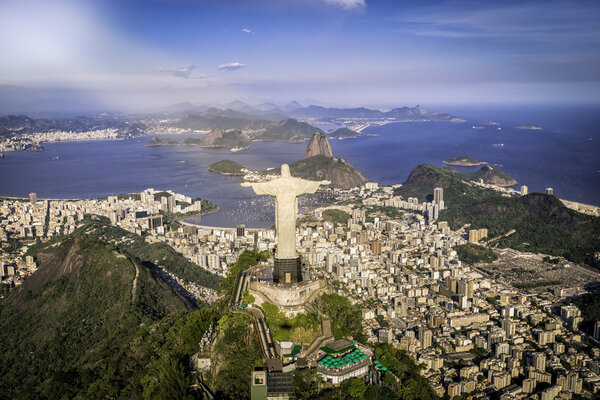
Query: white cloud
[[247, 30], [231, 66], [182, 72], [347, 4]]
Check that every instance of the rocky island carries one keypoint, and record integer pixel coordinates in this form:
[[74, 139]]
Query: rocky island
[[343, 133], [463, 161], [234, 140], [319, 164], [156, 142]]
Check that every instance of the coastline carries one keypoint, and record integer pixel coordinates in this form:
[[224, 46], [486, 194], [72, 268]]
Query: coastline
[[182, 221]]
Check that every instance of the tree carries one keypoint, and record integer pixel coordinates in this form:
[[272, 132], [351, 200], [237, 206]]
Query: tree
[[355, 388], [173, 382], [247, 297]]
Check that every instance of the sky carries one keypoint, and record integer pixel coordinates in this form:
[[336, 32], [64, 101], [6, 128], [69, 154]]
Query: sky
[[150, 54]]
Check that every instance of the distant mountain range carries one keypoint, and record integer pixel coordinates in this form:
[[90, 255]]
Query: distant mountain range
[[270, 111], [265, 122], [416, 113]]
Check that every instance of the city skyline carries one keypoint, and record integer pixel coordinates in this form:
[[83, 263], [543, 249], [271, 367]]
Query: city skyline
[[147, 55]]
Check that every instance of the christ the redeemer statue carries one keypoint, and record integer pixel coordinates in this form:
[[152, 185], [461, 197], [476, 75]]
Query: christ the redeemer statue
[[286, 190]]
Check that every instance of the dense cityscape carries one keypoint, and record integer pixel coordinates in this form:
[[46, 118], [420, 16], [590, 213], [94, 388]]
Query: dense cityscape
[[396, 261], [300, 200]]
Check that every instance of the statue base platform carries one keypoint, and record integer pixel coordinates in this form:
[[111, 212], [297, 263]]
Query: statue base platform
[[287, 271], [291, 299]]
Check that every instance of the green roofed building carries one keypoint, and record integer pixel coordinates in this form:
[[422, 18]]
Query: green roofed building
[[342, 361]]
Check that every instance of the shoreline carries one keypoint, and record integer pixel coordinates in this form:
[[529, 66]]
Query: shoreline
[[181, 219]]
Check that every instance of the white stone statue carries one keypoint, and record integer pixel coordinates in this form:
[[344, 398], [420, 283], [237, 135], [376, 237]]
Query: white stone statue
[[286, 191]]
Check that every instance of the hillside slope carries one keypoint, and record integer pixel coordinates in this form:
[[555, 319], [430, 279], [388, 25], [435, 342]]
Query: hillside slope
[[85, 302], [542, 223], [341, 174]]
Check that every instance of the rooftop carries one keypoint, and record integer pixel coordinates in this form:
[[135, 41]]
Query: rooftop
[[339, 346]]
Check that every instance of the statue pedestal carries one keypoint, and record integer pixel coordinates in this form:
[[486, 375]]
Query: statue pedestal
[[291, 299], [287, 271]]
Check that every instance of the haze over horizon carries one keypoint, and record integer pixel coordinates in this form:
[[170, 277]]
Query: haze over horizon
[[146, 55]]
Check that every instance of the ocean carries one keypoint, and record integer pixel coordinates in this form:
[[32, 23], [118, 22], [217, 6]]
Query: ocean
[[564, 155]]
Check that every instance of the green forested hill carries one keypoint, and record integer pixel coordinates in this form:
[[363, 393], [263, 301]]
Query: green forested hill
[[148, 253], [61, 329], [542, 223]]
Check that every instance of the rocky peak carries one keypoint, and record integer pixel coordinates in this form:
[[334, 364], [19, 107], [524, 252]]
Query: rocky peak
[[419, 110], [318, 145]]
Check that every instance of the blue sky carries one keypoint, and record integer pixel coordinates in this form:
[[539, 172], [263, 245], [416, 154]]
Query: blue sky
[[149, 54]]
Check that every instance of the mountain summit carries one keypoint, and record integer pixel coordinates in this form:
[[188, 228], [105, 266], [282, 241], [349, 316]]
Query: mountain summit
[[318, 145]]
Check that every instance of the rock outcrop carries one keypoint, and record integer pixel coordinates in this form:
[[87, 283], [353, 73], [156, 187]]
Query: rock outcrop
[[318, 145], [492, 176], [341, 174]]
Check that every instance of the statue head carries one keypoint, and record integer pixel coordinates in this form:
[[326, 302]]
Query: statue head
[[285, 171]]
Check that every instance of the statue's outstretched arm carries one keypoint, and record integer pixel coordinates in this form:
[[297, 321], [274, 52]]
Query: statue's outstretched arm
[[262, 187]]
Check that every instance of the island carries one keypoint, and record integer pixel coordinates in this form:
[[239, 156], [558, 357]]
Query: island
[[530, 127], [463, 161], [343, 133], [235, 140], [156, 141], [489, 123], [227, 167]]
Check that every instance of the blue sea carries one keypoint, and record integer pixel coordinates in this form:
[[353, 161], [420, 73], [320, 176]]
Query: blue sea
[[564, 155]]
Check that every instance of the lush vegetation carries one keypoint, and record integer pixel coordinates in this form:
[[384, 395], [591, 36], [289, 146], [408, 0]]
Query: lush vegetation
[[408, 384], [534, 285], [62, 332], [226, 167], [489, 174], [413, 385], [542, 223], [306, 219], [471, 253], [391, 212], [303, 328], [245, 260], [424, 178], [346, 319], [238, 354], [319, 167], [589, 305], [337, 217], [150, 253]]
